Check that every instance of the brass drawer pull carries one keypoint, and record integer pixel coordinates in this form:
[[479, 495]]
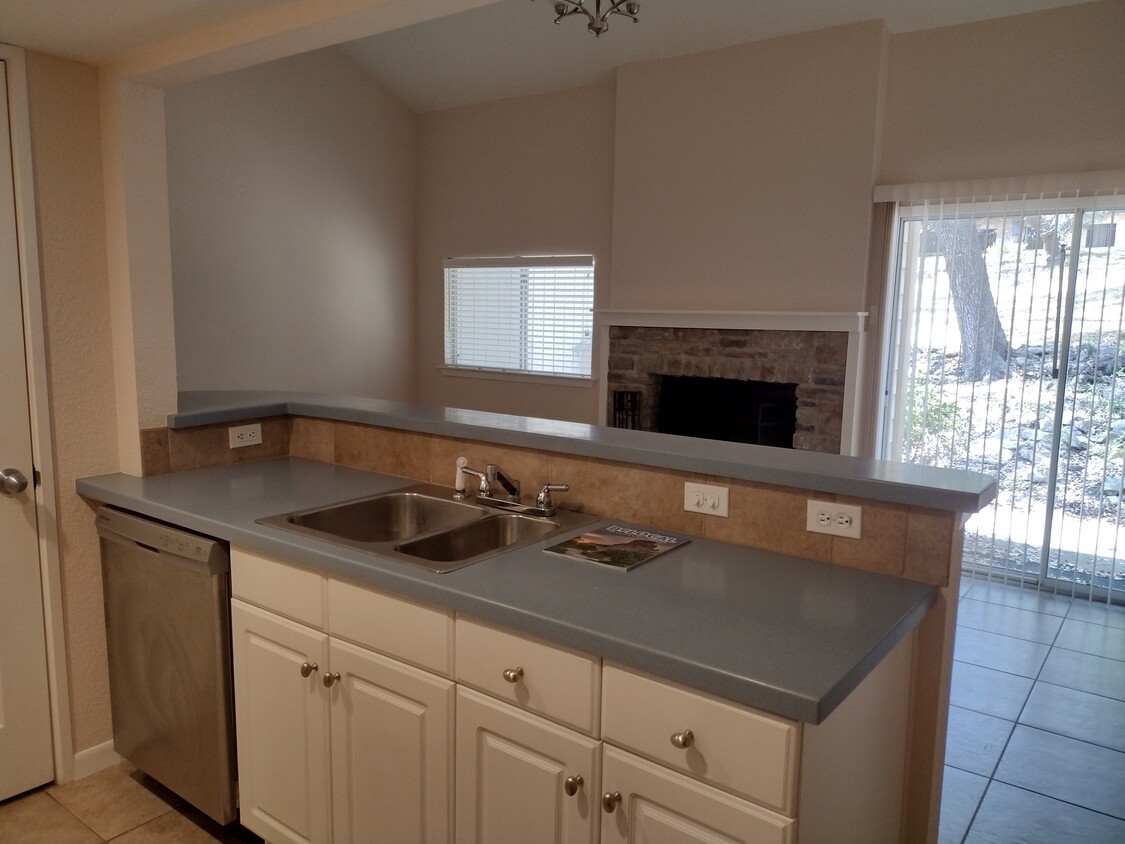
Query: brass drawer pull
[[683, 740], [513, 675], [572, 785]]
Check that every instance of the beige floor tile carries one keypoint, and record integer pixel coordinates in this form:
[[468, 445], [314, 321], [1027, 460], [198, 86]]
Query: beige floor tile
[[169, 828], [112, 801], [38, 819]]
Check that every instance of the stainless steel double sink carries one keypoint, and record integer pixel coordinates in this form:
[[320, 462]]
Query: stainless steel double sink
[[424, 526]]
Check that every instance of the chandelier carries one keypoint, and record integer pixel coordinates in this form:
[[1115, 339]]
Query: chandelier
[[599, 20]]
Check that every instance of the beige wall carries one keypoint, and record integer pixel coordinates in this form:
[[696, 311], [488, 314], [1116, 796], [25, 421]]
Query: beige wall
[[1037, 93], [743, 176], [291, 194], [526, 176], [63, 104]]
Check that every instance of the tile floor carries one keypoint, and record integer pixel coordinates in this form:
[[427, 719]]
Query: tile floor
[[1036, 741], [119, 804], [1036, 750]]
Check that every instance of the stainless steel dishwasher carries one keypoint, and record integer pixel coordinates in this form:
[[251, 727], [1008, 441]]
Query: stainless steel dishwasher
[[167, 610]]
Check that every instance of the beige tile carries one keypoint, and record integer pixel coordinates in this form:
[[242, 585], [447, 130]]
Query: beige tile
[[882, 547], [112, 801], [38, 819], [313, 439], [771, 518], [154, 452], [929, 545], [209, 445], [630, 493], [176, 828], [386, 450]]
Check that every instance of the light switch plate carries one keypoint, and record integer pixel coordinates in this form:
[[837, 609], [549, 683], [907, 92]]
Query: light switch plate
[[707, 499]]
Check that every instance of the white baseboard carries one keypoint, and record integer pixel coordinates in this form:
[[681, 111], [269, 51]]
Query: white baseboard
[[94, 759]]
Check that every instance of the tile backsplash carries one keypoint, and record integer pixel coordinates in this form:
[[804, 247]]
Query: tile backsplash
[[913, 542]]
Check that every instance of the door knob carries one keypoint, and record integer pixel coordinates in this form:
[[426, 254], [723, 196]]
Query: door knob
[[14, 481]]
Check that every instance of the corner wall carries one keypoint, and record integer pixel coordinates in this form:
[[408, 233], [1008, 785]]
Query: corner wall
[[63, 104], [291, 204]]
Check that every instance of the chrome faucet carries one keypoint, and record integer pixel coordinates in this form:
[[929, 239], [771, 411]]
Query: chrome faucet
[[543, 505], [494, 475]]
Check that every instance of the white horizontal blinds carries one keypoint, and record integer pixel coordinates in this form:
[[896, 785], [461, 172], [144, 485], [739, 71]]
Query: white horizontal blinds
[[532, 315]]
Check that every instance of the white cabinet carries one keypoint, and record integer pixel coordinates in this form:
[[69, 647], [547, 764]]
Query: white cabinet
[[336, 742], [281, 715], [646, 803], [521, 778]]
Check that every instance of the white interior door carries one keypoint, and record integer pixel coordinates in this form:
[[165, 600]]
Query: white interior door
[[25, 718]]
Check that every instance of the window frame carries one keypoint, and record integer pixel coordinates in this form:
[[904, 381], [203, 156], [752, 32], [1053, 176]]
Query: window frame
[[526, 321]]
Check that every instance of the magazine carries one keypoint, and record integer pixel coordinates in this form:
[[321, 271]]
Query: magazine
[[618, 546]]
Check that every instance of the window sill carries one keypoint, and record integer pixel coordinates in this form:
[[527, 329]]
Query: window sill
[[525, 377]]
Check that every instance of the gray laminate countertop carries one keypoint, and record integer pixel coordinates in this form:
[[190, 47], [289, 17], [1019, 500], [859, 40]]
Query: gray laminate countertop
[[879, 480], [783, 634]]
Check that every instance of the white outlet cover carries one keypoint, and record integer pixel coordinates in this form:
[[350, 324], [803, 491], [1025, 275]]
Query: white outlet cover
[[834, 518], [244, 435]]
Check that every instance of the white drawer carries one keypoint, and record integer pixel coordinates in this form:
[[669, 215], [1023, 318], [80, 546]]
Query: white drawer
[[555, 682], [417, 633], [748, 752], [282, 588]]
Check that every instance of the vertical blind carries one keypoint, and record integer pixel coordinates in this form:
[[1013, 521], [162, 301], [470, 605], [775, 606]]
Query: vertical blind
[[1008, 358], [526, 315]]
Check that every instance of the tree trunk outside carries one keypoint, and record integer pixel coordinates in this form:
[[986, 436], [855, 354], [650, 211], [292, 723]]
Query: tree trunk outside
[[984, 345]]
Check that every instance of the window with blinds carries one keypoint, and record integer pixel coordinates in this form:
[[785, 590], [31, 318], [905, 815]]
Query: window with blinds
[[524, 315]]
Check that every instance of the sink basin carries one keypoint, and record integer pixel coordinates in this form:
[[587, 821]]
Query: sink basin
[[478, 538], [385, 518], [422, 525]]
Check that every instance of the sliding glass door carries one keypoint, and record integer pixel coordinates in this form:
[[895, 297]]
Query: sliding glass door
[[1007, 356]]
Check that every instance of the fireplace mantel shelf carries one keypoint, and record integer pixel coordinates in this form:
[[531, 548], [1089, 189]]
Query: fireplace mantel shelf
[[748, 320]]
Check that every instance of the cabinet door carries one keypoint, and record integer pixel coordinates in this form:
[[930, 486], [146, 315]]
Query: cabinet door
[[512, 772], [392, 751], [282, 727], [659, 806]]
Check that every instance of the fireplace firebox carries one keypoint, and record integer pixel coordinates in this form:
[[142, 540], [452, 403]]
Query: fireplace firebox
[[756, 412]]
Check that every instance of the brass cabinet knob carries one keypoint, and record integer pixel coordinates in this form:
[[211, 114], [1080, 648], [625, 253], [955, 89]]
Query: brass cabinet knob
[[610, 801], [307, 668], [683, 739], [572, 785], [513, 675], [330, 678]]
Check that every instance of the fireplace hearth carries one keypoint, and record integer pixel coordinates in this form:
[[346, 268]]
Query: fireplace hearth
[[781, 388]]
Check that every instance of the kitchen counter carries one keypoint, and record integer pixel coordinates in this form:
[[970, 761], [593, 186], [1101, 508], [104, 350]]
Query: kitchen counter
[[878, 480], [783, 634]]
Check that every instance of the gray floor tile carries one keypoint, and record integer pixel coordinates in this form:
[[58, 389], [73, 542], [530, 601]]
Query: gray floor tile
[[974, 741], [1080, 715], [966, 585], [1025, 599], [1008, 815], [1110, 616], [1085, 672], [1096, 639], [960, 795], [1008, 621], [1066, 769], [1004, 653], [989, 691]]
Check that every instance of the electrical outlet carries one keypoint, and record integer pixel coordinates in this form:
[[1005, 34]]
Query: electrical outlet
[[835, 519], [703, 498], [244, 435]]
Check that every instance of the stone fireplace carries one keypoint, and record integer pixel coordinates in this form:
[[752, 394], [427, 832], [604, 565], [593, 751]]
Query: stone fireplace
[[812, 363]]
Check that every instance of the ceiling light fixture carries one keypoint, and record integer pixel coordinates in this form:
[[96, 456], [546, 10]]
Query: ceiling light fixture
[[599, 20]]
